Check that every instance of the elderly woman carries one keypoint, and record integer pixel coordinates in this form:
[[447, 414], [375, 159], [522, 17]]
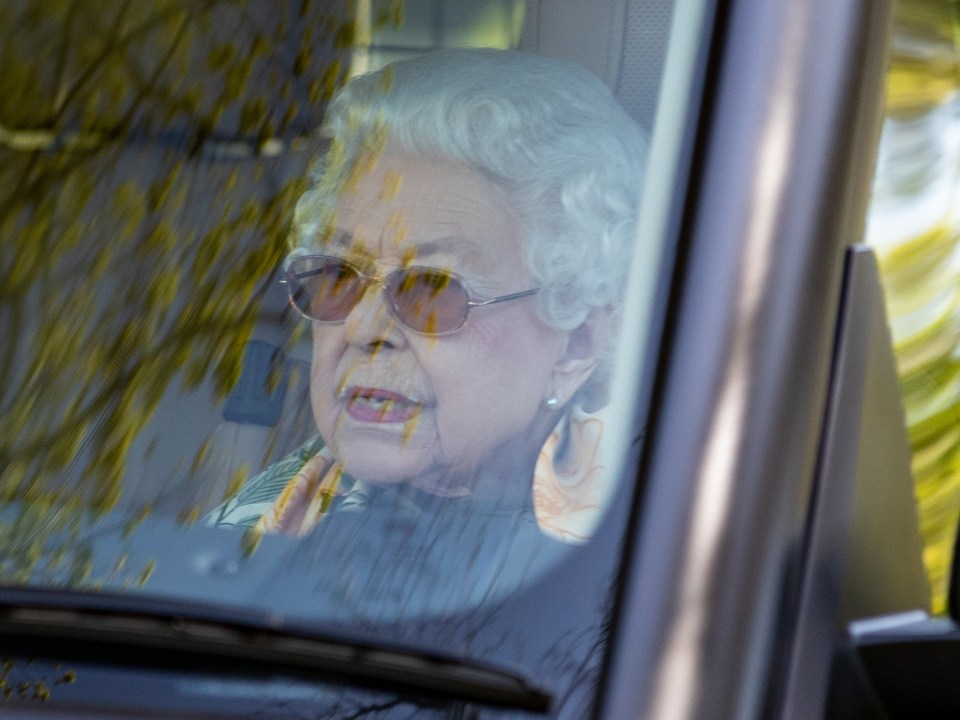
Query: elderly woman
[[461, 253]]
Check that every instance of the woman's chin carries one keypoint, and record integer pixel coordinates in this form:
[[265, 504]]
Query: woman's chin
[[382, 463]]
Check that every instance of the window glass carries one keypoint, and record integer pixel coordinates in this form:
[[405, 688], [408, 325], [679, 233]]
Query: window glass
[[422, 25], [327, 320], [913, 224]]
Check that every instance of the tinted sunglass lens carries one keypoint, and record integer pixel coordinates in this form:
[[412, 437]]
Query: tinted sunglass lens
[[428, 301], [325, 289]]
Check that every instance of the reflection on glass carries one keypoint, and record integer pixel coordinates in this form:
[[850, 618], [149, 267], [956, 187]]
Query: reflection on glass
[[425, 462], [485, 389]]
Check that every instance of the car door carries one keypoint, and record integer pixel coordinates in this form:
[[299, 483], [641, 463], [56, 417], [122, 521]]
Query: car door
[[761, 457]]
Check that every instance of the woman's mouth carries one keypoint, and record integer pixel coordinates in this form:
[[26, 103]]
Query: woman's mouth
[[379, 406]]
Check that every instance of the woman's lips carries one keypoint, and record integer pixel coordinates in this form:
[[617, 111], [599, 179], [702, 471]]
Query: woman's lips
[[376, 405]]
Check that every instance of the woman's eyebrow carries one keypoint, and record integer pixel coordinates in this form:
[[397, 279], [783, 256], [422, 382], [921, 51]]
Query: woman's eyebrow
[[340, 239], [344, 242], [456, 246], [453, 247]]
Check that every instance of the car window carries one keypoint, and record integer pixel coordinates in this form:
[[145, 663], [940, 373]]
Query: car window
[[334, 320], [912, 225]]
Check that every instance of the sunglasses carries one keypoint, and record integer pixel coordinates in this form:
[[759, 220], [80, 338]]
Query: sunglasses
[[423, 299]]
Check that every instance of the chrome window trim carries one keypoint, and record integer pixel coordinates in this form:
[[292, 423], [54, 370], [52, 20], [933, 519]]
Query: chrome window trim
[[732, 450]]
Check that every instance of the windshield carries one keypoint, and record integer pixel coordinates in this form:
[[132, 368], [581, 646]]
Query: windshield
[[332, 320]]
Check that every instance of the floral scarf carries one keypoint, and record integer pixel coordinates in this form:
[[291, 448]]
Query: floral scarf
[[570, 486]]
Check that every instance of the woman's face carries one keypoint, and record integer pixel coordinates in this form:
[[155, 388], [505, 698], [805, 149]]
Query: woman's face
[[453, 414]]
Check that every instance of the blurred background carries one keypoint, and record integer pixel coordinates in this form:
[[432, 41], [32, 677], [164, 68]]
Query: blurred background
[[914, 226]]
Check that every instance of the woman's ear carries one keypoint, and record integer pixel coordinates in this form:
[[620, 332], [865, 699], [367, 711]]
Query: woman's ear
[[580, 356]]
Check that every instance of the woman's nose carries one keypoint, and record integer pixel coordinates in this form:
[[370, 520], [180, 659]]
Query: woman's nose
[[370, 323]]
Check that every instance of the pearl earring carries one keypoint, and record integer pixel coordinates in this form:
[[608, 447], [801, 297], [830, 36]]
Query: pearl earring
[[552, 402]]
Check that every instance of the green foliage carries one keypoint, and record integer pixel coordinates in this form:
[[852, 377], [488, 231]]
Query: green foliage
[[919, 267], [29, 680], [145, 199]]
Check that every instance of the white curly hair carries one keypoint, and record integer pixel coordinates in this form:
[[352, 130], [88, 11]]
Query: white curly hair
[[548, 131]]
